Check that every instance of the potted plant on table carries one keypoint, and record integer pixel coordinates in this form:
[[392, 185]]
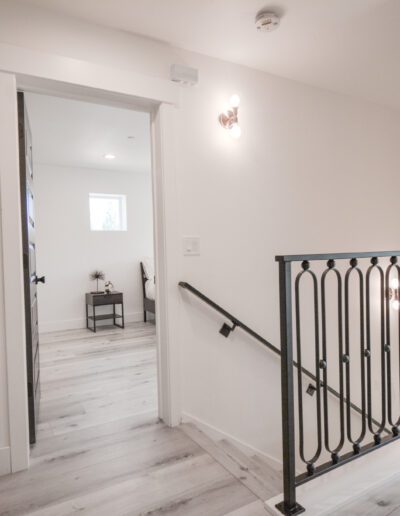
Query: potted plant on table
[[96, 276]]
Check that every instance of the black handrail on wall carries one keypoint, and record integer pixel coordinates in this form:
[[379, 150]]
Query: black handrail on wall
[[236, 323], [366, 355]]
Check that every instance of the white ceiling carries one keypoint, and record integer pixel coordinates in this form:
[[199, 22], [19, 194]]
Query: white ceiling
[[350, 46], [78, 134]]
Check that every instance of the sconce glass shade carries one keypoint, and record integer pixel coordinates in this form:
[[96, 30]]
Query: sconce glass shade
[[394, 283], [234, 100], [229, 119], [235, 131], [396, 304]]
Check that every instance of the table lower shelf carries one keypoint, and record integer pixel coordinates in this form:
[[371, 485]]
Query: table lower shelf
[[104, 317], [112, 300]]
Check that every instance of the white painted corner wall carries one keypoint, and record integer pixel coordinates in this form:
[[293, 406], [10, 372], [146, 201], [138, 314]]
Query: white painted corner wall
[[68, 251], [13, 383]]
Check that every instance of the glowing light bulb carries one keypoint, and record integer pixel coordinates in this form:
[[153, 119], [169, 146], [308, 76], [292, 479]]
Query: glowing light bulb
[[109, 156], [394, 283], [234, 100], [235, 131], [396, 304]]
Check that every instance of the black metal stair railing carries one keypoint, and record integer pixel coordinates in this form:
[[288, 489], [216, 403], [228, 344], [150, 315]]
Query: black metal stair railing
[[236, 323], [226, 330], [370, 350]]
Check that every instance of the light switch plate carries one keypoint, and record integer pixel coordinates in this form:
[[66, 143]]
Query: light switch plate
[[191, 246]]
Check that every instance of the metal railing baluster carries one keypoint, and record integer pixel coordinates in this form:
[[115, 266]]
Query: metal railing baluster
[[318, 366], [383, 347], [289, 504], [347, 359], [393, 266], [334, 452]]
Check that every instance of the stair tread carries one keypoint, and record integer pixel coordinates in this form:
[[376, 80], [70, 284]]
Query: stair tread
[[263, 471], [269, 464], [264, 482], [252, 509]]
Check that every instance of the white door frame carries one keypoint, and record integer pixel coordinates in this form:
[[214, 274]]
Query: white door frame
[[45, 73]]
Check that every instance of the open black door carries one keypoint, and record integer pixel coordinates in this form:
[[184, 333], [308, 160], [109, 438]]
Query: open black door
[[29, 263]]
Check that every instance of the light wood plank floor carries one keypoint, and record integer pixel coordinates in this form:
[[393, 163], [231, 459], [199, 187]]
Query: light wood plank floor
[[101, 449], [382, 501]]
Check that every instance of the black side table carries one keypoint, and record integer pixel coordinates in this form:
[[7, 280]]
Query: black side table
[[102, 299]]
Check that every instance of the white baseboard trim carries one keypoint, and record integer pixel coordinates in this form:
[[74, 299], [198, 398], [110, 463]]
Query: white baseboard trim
[[5, 461], [217, 434], [78, 324]]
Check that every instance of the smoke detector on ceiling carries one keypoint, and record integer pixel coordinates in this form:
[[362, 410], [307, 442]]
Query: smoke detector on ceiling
[[267, 21]]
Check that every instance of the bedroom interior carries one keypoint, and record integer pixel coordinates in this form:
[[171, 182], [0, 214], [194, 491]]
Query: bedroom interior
[[267, 378], [91, 201], [93, 205]]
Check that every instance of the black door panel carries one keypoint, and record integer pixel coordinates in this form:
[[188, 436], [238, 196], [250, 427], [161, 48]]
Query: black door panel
[[29, 262]]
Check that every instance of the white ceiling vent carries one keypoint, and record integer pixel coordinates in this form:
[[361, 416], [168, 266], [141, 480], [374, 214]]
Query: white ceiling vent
[[267, 21]]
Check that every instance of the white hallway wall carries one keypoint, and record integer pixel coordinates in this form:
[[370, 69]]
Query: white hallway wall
[[4, 429], [314, 171], [68, 251]]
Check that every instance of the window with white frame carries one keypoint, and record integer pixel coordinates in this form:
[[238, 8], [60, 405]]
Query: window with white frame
[[107, 212]]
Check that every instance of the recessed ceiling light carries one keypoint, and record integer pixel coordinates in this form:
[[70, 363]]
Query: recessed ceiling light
[[109, 156]]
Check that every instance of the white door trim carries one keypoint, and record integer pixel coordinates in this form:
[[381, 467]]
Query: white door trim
[[62, 76], [167, 261], [13, 282], [33, 66]]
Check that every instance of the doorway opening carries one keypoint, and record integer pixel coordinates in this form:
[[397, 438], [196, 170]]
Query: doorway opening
[[91, 333]]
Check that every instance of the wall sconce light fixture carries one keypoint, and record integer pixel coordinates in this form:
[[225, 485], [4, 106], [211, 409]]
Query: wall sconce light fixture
[[394, 293], [229, 120]]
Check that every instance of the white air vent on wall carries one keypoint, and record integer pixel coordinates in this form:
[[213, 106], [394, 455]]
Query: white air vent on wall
[[184, 75]]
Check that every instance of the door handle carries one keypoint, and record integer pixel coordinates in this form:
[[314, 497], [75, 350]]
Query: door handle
[[42, 279]]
